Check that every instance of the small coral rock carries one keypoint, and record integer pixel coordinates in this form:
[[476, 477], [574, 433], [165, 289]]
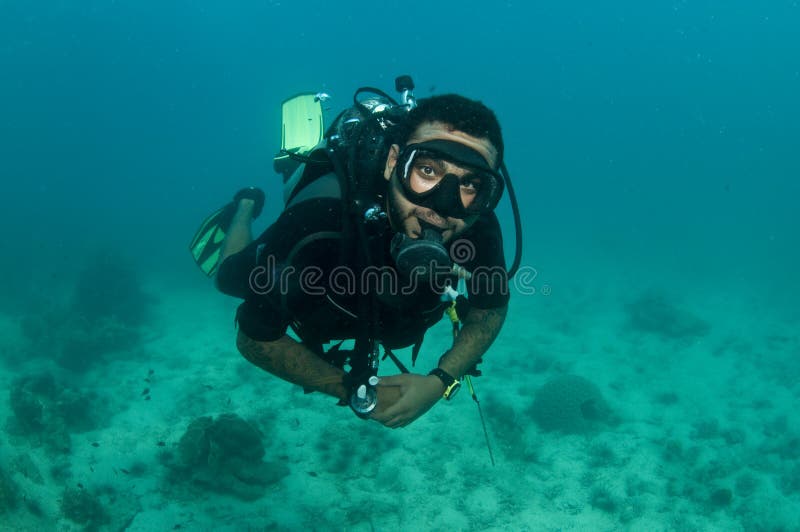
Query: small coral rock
[[569, 404], [654, 314], [225, 455], [236, 436], [194, 444]]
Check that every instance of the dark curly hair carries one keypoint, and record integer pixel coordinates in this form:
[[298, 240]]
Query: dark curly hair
[[463, 114]]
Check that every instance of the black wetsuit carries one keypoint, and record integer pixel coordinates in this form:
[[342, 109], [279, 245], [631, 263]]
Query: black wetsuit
[[297, 274]]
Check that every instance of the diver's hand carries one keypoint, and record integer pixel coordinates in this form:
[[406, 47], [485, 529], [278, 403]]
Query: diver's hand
[[387, 397], [417, 394]]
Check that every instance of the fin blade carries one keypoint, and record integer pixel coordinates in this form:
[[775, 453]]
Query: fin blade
[[206, 245]]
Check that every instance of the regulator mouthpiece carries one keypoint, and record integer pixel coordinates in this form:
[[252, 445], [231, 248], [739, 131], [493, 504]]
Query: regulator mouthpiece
[[422, 257]]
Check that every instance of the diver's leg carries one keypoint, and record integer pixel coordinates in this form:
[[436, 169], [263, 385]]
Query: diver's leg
[[249, 202], [239, 233]]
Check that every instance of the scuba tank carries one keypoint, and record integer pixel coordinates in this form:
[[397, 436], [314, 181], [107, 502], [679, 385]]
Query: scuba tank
[[360, 136]]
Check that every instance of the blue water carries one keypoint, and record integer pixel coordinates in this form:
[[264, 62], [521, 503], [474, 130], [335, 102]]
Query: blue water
[[651, 144], [670, 126]]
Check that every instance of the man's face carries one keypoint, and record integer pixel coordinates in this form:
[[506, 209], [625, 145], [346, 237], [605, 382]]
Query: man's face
[[404, 215]]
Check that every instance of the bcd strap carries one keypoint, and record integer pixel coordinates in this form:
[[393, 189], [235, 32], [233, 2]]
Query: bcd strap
[[416, 349]]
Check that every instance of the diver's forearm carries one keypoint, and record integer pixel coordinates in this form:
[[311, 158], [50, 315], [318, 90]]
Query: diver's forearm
[[293, 362], [480, 329]]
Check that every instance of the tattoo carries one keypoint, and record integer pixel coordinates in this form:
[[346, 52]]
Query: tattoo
[[293, 362], [479, 330]]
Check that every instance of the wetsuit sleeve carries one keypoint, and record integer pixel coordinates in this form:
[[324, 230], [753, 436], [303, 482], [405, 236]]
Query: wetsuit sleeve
[[481, 249], [257, 274]]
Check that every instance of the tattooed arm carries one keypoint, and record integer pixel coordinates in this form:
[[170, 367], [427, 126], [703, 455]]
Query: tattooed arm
[[293, 362], [419, 393], [481, 327]]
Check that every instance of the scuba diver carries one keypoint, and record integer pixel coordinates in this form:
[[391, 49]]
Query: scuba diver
[[384, 218]]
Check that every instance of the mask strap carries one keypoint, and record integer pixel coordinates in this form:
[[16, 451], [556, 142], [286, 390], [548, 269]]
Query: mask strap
[[407, 165]]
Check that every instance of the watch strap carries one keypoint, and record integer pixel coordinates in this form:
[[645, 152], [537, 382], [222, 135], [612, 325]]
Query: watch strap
[[451, 384]]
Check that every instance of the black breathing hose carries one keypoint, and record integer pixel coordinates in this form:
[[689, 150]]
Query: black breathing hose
[[517, 222]]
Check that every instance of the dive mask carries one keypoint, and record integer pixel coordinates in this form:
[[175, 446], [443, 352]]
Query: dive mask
[[426, 170]]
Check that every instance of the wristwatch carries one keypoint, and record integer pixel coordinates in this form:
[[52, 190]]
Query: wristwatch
[[451, 384]]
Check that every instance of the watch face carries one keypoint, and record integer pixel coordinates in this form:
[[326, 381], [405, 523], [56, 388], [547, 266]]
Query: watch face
[[452, 390]]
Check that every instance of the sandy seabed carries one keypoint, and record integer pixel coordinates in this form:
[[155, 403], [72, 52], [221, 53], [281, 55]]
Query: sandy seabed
[[706, 433]]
